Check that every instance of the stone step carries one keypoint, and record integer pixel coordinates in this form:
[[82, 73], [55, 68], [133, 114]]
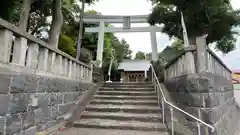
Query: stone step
[[133, 93], [130, 86], [128, 83], [124, 108], [124, 102], [98, 131], [124, 97], [125, 89], [152, 117], [115, 124]]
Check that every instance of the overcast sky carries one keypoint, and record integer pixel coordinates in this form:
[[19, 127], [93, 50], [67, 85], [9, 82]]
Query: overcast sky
[[141, 41]]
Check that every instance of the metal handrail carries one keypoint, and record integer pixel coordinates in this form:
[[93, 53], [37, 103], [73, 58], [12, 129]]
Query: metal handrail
[[177, 108]]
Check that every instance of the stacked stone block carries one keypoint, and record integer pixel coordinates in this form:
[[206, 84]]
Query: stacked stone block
[[207, 96], [30, 103]]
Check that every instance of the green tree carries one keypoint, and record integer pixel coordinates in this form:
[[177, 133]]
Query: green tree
[[140, 55], [177, 44], [213, 17], [67, 45], [9, 10], [38, 23], [121, 49]]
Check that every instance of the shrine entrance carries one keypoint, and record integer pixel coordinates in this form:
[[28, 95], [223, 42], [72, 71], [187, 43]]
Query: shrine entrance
[[126, 21]]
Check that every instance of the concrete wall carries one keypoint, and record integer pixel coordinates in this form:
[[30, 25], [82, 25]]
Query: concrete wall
[[207, 96], [30, 103]]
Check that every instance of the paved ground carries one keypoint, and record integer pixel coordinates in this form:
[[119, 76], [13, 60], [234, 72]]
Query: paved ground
[[91, 131]]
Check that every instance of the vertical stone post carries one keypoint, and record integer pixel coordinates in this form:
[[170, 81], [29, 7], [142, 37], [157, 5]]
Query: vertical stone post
[[84, 73], [70, 68], [51, 62], [58, 64], [189, 64], [82, 70], [91, 73], [100, 43], [74, 70], [201, 54], [77, 72], [87, 74], [5, 45], [65, 67], [43, 59], [19, 51], [154, 45], [32, 55]]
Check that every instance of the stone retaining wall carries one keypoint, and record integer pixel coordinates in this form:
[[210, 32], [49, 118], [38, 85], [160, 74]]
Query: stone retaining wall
[[30, 103], [207, 96]]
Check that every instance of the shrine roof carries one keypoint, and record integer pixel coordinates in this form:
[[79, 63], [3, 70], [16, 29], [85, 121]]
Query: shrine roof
[[134, 65], [236, 71]]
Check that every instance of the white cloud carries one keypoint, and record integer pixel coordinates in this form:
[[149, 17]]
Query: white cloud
[[141, 41]]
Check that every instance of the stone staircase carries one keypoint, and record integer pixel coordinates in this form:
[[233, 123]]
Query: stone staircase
[[125, 106]]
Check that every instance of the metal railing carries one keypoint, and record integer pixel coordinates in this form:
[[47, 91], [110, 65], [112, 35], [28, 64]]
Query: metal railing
[[159, 90]]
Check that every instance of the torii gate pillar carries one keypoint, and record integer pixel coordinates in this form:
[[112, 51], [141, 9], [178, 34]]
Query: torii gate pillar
[[100, 44], [154, 45], [126, 21]]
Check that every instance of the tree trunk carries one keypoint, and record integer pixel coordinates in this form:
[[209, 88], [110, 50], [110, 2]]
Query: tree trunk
[[57, 22], [26, 6]]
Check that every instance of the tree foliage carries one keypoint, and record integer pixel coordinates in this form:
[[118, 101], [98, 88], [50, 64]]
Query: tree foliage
[[10, 9], [213, 17], [140, 55], [177, 44], [122, 49], [42, 16]]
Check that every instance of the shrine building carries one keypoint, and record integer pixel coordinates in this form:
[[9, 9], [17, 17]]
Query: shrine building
[[134, 70]]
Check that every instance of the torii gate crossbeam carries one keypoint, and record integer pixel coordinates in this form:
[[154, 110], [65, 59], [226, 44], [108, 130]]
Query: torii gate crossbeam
[[126, 20]]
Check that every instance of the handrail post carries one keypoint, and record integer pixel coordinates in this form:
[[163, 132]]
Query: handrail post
[[199, 128], [163, 111], [171, 111], [152, 74], [172, 106], [157, 87], [198, 124]]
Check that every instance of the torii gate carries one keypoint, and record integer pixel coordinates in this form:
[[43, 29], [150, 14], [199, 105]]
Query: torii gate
[[126, 21]]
